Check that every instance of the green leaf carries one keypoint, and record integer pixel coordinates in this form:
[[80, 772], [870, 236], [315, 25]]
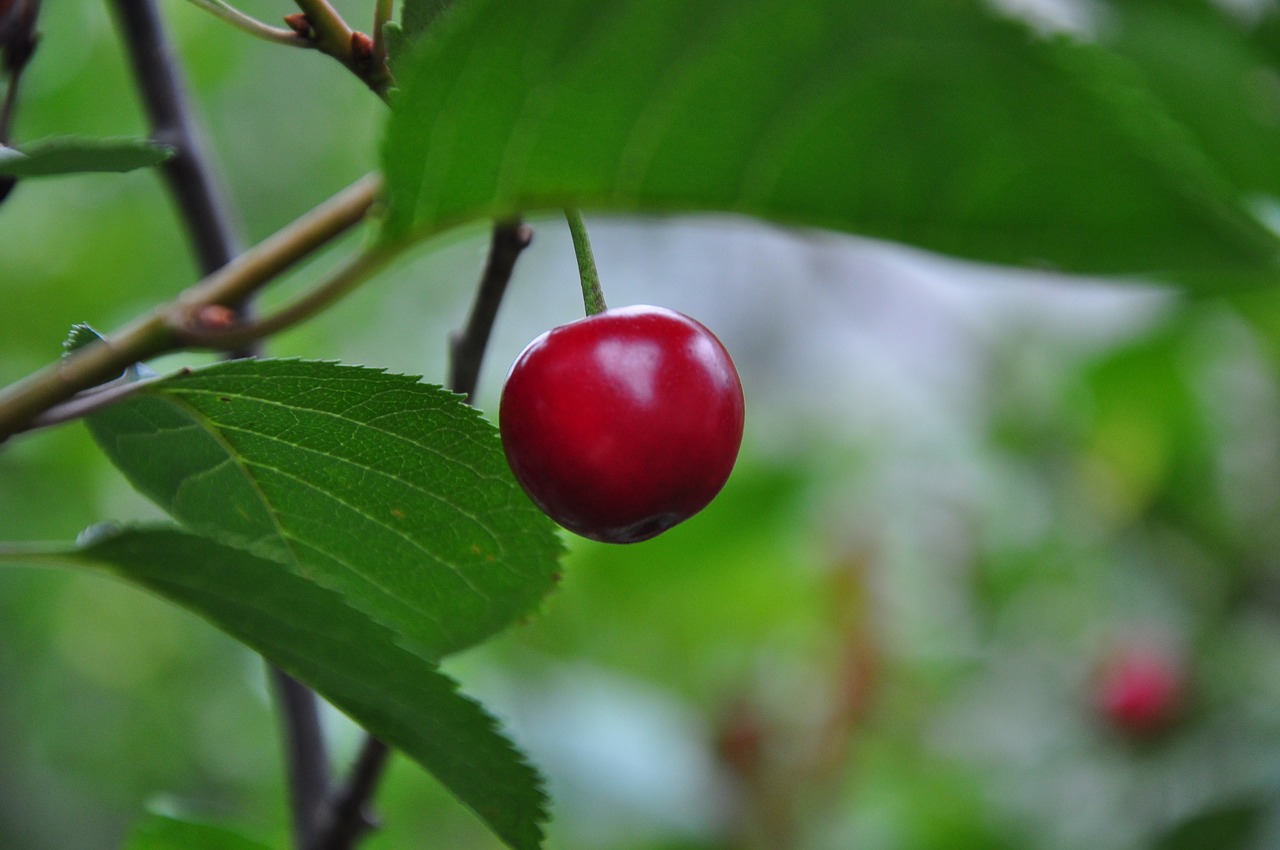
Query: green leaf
[[417, 18], [392, 492], [937, 124], [1233, 826], [161, 832], [1225, 97], [72, 154], [1221, 97], [357, 664], [80, 335], [393, 35]]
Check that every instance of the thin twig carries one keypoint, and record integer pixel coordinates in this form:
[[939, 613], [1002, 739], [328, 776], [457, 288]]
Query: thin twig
[[332, 36], [467, 347], [90, 401], [23, 401], [251, 25], [359, 269], [295, 241], [348, 815], [155, 333]]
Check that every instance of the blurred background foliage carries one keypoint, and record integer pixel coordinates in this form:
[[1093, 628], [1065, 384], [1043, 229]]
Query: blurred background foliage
[[966, 492]]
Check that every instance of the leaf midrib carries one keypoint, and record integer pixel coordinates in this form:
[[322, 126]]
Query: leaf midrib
[[287, 540]]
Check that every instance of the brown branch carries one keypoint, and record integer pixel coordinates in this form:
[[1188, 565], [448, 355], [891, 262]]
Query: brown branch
[[334, 36], [90, 402], [348, 817], [307, 755], [157, 332], [18, 42], [467, 348], [194, 332]]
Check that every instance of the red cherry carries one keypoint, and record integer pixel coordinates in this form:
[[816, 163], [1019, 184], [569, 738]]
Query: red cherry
[[622, 424], [1140, 690]]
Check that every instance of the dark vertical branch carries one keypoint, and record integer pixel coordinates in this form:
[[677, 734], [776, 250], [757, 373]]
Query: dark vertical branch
[[208, 222], [307, 756], [18, 40], [347, 817], [466, 349], [164, 96]]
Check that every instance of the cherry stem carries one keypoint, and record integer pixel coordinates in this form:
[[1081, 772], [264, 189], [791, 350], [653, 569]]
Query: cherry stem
[[592, 294]]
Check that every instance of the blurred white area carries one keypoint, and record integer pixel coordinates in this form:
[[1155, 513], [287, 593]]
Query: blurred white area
[[1249, 11], [1076, 17], [626, 762]]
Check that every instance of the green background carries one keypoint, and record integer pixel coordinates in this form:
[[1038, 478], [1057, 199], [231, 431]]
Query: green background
[[962, 489]]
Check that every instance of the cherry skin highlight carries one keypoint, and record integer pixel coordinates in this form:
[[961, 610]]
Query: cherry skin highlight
[[622, 424]]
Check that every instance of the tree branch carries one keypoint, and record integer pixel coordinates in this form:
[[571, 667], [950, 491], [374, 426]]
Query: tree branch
[[348, 815], [251, 25], [466, 349], [156, 332], [193, 333], [333, 35], [18, 41], [307, 755], [164, 96]]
